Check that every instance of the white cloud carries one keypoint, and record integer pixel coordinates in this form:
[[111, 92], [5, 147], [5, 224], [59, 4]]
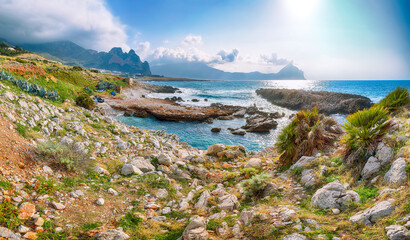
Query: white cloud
[[228, 56], [273, 59], [179, 54], [86, 22], [192, 40], [143, 49]]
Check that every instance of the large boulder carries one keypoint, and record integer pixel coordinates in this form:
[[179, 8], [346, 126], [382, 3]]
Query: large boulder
[[308, 177], [164, 159], [215, 149], [253, 163], [384, 154], [370, 215], [196, 229], [397, 232], [142, 164], [371, 167], [334, 195], [111, 235], [302, 162], [128, 169], [327, 102], [397, 174]]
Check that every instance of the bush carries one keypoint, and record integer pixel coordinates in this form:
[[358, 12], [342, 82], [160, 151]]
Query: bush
[[65, 157], [364, 129], [395, 99], [308, 131], [85, 101], [254, 186]]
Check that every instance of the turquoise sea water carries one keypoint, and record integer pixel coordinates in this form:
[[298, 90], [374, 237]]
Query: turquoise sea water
[[242, 93]]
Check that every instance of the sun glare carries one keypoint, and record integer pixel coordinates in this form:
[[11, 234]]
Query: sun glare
[[301, 8]]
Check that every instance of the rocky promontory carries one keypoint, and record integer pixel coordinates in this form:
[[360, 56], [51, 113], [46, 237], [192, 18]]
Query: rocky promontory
[[327, 102]]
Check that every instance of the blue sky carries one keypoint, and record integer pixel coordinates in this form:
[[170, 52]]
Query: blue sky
[[327, 39]]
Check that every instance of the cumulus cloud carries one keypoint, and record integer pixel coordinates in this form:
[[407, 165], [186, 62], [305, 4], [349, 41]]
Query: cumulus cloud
[[192, 40], [143, 49], [86, 22], [228, 56], [273, 59], [180, 54]]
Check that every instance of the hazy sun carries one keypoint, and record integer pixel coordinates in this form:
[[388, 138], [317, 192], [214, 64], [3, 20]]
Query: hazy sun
[[301, 8]]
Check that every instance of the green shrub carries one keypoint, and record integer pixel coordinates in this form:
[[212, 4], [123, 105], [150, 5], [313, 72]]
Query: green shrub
[[85, 101], [367, 193], [64, 157], [213, 224], [21, 129], [395, 99], [8, 215], [130, 221], [308, 131], [364, 129], [254, 186]]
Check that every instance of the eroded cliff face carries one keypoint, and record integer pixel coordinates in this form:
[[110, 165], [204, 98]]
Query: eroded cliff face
[[327, 102]]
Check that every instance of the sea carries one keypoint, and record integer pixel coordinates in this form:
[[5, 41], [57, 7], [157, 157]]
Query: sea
[[242, 93]]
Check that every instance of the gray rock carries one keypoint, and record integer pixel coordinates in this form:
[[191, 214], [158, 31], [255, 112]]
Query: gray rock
[[371, 167], [123, 145], [58, 206], [253, 163], [128, 169], [269, 189], [239, 132], [302, 162], [111, 235], [162, 193], [246, 216], [308, 177], [384, 153], [397, 174], [142, 164], [203, 200], [370, 215], [215, 149], [100, 202], [223, 230], [397, 232], [9, 95], [112, 191], [8, 234], [47, 170], [229, 202], [294, 236], [164, 160], [66, 140], [196, 229], [76, 193], [334, 195], [101, 170]]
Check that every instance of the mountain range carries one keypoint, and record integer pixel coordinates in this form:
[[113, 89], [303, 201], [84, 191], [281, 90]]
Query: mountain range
[[200, 70], [73, 54], [130, 63]]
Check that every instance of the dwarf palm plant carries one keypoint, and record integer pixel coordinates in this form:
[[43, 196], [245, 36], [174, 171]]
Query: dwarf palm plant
[[395, 99], [309, 131], [364, 129]]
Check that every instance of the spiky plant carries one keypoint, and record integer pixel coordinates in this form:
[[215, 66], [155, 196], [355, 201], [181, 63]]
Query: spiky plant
[[395, 99], [364, 129], [254, 186], [309, 131]]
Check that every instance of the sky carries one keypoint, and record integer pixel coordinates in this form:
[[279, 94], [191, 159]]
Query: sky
[[327, 39]]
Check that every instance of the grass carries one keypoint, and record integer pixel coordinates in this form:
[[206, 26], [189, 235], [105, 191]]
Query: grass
[[91, 226], [130, 222], [367, 193], [176, 215], [6, 185], [21, 129], [173, 234], [8, 215]]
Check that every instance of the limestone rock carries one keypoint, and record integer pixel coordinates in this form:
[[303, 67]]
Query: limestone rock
[[164, 160], [384, 153], [58, 206], [223, 230], [370, 215], [8, 234], [26, 210], [215, 149], [334, 195], [397, 174], [128, 169], [162, 193], [142, 164], [253, 163], [111, 235], [196, 230], [397, 232], [203, 199], [295, 236], [229, 202], [302, 162], [308, 177]]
